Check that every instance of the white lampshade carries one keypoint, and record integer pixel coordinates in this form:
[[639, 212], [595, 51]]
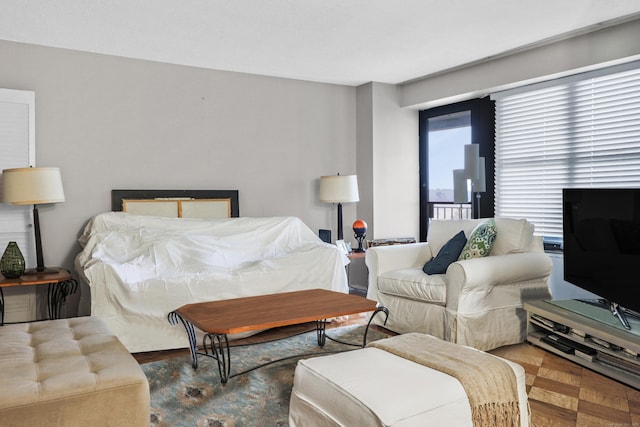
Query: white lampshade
[[480, 185], [460, 193], [32, 186], [339, 189], [471, 161]]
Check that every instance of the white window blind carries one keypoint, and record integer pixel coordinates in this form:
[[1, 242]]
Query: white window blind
[[581, 131], [17, 149]]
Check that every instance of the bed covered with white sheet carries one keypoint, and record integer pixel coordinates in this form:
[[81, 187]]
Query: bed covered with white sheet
[[140, 268]]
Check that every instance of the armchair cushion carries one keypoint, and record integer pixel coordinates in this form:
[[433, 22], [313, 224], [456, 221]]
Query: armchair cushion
[[514, 236], [413, 284], [447, 254], [481, 241]]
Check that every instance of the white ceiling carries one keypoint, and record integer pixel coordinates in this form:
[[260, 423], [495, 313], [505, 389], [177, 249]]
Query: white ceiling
[[336, 41]]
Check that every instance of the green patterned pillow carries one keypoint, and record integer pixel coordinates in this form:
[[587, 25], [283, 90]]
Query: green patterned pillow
[[481, 241]]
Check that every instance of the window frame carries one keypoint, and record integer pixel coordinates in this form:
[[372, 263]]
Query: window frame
[[482, 133]]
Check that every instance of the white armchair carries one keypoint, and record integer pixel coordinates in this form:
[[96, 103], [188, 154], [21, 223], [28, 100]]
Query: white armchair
[[479, 301]]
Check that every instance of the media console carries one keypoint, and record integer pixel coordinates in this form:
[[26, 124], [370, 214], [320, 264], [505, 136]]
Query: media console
[[576, 332]]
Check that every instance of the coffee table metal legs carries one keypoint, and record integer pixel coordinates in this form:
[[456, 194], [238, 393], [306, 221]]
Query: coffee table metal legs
[[321, 332], [379, 309], [219, 346], [173, 319], [216, 346], [322, 336]]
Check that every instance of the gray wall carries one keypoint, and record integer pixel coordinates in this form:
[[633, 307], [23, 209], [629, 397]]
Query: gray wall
[[387, 159], [608, 46], [387, 115], [111, 122]]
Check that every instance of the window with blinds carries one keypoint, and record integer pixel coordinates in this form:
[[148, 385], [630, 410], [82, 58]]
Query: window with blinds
[[17, 149], [579, 131]]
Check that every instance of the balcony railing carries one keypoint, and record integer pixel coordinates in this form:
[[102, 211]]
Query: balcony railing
[[450, 211]]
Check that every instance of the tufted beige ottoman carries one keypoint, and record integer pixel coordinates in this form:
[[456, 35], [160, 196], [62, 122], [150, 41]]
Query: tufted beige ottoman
[[69, 372]]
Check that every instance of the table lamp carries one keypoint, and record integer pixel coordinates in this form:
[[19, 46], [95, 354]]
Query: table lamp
[[33, 186], [339, 189]]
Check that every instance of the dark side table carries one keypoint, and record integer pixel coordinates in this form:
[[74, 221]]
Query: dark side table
[[357, 274], [60, 283]]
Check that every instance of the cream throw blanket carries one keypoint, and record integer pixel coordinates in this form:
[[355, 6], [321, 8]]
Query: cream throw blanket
[[489, 382]]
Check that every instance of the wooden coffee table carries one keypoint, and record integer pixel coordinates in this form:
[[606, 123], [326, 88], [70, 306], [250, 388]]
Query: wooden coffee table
[[218, 319]]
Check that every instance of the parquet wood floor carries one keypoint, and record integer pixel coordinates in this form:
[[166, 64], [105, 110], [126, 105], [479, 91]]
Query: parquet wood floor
[[561, 393]]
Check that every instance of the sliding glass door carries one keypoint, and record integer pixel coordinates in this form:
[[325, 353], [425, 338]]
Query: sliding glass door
[[444, 131], [448, 134]]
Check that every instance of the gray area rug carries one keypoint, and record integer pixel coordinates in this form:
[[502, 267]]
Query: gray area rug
[[182, 396]]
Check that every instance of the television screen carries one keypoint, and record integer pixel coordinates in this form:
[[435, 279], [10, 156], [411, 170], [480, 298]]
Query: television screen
[[601, 233]]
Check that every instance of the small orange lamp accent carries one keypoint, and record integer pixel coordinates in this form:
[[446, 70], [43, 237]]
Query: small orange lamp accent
[[360, 232]]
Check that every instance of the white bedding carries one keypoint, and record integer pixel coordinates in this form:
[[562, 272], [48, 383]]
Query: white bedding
[[140, 268]]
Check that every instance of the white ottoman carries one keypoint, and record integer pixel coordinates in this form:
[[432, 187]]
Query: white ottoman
[[372, 387]]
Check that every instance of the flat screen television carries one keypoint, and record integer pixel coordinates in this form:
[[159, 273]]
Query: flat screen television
[[601, 237]]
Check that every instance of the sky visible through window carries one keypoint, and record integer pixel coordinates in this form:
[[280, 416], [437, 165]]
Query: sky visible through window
[[446, 153]]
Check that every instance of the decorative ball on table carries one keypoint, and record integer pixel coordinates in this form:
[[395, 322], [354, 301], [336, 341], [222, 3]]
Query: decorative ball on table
[[360, 232]]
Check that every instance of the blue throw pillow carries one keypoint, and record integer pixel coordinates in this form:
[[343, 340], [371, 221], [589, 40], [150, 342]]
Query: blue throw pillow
[[447, 254]]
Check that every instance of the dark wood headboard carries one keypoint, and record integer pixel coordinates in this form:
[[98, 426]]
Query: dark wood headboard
[[117, 197]]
